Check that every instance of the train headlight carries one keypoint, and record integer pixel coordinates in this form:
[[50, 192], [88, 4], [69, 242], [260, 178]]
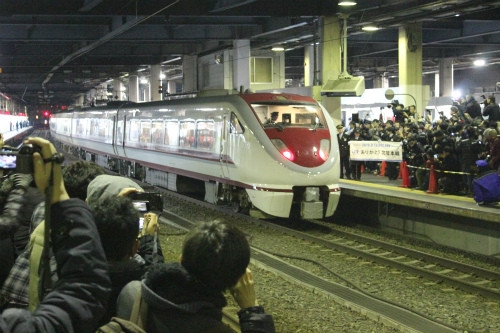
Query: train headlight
[[324, 149], [283, 149]]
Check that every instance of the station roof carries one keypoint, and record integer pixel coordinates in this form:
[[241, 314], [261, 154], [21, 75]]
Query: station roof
[[50, 51]]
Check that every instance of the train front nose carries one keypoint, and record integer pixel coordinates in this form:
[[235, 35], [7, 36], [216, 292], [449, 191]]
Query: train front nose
[[304, 147]]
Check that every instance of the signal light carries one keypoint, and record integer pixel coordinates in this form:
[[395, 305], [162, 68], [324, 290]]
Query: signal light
[[46, 113]]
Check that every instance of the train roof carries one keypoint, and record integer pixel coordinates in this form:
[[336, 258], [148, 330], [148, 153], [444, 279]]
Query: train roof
[[277, 98]]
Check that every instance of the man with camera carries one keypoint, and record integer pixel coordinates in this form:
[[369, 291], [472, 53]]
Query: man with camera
[[18, 199], [79, 298]]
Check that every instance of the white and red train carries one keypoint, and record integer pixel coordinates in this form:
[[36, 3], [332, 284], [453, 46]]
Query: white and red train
[[277, 153]]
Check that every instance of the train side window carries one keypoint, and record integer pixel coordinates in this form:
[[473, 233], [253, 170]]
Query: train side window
[[157, 132], [102, 127], [145, 132], [236, 126], [186, 134], [119, 131], [172, 133], [133, 131], [205, 135], [92, 127]]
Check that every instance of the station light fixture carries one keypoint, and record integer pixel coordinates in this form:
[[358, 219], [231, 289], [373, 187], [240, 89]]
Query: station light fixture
[[278, 48], [144, 80], [370, 28], [479, 62], [347, 3]]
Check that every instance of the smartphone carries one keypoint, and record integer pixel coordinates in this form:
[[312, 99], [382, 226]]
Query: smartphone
[[8, 161], [141, 223]]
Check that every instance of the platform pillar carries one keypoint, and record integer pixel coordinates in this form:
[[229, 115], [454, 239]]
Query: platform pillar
[[133, 88], [410, 65], [446, 77], [330, 37], [309, 65], [155, 83], [190, 73], [118, 90], [241, 64]]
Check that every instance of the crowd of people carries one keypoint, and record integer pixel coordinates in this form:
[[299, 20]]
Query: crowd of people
[[74, 259], [451, 145]]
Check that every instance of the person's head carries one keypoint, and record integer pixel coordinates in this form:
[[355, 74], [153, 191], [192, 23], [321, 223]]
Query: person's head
[[105, 186], [117, 222], [491, 99], [78, 175], [217, 254], [492, 134], [274, 116], [340, 128], [357, 133], [412, 108], [468, 98]]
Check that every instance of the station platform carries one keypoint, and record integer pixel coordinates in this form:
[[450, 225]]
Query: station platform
[[382, 189], [12, 137], [448, 220]]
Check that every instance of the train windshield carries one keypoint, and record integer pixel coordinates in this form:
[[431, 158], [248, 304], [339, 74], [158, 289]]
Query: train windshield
[[289, 115]]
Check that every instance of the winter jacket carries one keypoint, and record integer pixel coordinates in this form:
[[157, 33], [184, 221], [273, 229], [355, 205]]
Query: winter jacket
[[185, 305], [79, 298], [487, 187]]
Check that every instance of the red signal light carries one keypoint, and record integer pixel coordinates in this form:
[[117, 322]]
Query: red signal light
[[46, 113]]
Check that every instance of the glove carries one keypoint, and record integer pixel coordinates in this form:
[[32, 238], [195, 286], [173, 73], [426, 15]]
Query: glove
[[22, 180]]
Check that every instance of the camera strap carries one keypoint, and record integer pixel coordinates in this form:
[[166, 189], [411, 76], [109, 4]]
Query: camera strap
[[45, 283]]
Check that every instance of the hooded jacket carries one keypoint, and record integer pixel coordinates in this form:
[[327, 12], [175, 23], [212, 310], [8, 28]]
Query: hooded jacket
[[178, 302]]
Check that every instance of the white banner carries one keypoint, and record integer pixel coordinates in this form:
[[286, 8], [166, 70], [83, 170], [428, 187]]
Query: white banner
[[376, 151]]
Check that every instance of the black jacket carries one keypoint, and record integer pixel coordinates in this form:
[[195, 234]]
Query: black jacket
[[473, 108], [79, 298], [492, 111], [187, 306], [122, 273]]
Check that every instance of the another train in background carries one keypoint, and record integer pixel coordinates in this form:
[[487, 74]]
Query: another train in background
[[275, 154]]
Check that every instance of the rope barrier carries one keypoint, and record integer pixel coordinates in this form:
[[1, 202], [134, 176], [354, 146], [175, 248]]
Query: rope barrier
[[442, 171]]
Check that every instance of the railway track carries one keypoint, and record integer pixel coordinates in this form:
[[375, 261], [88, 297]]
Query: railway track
[[459, 275]]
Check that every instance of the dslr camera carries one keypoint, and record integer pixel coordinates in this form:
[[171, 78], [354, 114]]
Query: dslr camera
[[19, 160]]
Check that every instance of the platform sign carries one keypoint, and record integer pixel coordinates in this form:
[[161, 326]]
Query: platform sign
[[376, 151]]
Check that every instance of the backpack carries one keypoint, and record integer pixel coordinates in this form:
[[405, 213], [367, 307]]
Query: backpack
[[134, 325]]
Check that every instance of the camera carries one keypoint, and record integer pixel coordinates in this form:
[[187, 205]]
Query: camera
[[147, 201], [21, 160]]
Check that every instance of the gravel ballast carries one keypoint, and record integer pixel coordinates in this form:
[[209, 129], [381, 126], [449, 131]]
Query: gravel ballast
[[299, 310]]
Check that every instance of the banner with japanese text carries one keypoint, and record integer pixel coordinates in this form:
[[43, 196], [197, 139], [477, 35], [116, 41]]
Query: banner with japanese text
[[376, 151]]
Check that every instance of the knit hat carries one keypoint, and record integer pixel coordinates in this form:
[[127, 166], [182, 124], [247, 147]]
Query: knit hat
[[106, 186]]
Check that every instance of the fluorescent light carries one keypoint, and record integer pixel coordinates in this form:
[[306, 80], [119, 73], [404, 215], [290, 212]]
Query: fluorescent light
[[457, 93], [369, 28], [144, 80], [278, 48], [171, 60], [347, 3], [162, 76], [479, 62]]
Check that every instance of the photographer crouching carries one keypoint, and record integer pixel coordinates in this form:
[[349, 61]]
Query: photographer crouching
[[79, 298]]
